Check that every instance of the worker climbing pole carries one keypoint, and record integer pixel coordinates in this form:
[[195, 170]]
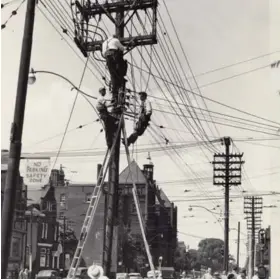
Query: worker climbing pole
[[113, 49]]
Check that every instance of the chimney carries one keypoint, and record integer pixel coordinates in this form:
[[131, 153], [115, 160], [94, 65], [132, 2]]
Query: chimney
[[149, 171], [99, 173], [54, 177], [61, 177]]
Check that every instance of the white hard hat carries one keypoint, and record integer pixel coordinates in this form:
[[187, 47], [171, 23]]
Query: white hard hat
[[95, 271]]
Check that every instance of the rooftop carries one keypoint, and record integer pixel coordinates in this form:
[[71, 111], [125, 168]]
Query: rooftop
[[132, 173], [164, 199]]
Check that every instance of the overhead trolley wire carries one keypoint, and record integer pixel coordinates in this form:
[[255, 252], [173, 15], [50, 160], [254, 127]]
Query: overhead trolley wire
[[142, 57], [188, 63], [71, 113]]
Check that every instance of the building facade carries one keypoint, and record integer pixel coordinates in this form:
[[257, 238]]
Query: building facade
[[18, 240], [44, 244], [159, 215]]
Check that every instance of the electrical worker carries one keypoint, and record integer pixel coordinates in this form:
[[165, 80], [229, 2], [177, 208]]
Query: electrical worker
[[112, 50], [108, 120], [144, 118]]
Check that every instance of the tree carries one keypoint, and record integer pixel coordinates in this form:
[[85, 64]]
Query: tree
[[179, 259], [193, 261], [210, 253]]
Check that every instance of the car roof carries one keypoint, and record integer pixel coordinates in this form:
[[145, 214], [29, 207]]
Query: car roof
[[46, 272]]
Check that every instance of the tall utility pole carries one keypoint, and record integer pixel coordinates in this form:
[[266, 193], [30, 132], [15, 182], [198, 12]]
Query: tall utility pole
[[63, 243], [16, 137], [253, 209], [227, 173], [85, 23], [238, 244]]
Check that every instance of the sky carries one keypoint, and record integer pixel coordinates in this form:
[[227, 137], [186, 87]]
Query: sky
[[213, 34]]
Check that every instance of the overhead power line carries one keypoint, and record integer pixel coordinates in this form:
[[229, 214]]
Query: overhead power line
[[234, 64], [13, 13]]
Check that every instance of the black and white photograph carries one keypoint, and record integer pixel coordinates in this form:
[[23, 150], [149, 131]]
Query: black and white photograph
[[140, 139]]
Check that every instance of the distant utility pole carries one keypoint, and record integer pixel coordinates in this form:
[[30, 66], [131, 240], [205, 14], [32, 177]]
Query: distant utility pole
[[227, 173], [238, 244], [253, 209], [85, 23], [63, 243], [16, 138]]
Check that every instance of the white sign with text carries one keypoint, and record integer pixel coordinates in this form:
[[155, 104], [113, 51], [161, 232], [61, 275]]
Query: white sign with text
[[37, 172]]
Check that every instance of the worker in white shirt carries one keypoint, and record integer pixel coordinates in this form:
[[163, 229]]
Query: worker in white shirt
[[144, 118], [112, 50], [109, 121]]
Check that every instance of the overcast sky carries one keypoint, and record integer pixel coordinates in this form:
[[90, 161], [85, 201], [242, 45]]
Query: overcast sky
[[213, 34]]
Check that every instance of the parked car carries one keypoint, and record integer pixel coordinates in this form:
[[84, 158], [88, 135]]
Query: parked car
[[122, 276], [48, 274], [81, 273], [135, 276]]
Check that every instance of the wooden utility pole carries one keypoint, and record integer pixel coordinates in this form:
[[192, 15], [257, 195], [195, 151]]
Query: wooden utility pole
[[253, 209], [16, 137], [226, 228], [63, 243], [86, 14], [227, 173], [238, 244]]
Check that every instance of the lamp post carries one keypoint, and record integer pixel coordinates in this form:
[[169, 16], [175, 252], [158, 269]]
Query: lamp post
[[16, 137], [208, 210], [159, 264], [32, 79]]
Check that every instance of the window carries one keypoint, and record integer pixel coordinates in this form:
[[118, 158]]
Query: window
[[55, 233], [15, 247], [133, 208], [63, 200], [44, 230], [42, 257], [61, 215], [62, 197], [49, 206], [88, 197], [48, 258]]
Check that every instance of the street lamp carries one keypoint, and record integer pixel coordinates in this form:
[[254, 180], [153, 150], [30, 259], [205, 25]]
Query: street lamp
[[32, 79], [208, 210]]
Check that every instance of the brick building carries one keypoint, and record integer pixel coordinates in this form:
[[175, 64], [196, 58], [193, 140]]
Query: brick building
[[43, 237], [159, 214], [18, 241]]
